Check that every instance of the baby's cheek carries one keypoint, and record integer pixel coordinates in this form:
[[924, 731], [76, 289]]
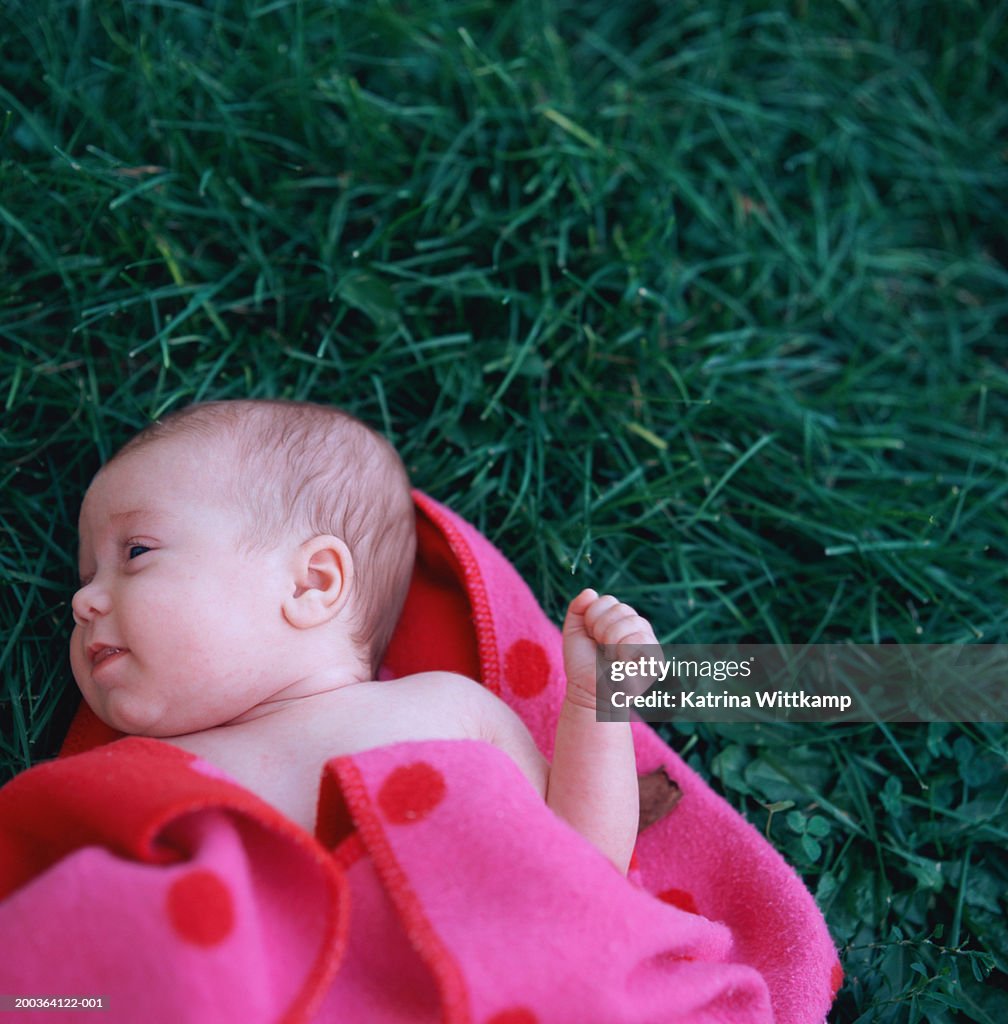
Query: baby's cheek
[[77, 658], [169, 626]]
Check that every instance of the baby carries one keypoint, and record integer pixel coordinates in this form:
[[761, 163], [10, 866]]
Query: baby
[[243, 565]]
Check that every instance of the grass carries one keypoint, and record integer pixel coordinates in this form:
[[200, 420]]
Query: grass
[[704, 303]]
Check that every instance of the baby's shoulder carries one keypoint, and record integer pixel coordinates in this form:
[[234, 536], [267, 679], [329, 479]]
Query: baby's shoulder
[[450, 687], [446, 693], [481, 714], [448, 683], [449, 696]]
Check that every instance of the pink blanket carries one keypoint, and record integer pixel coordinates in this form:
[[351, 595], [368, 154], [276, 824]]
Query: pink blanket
[[439, 886]]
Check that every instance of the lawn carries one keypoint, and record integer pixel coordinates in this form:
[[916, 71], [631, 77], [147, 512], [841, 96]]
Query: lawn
[[701, 303]]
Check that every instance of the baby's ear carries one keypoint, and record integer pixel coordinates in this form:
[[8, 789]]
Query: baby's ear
[[322, 579]]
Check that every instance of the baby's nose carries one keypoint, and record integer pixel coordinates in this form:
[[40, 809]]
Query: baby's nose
[[89, 601]]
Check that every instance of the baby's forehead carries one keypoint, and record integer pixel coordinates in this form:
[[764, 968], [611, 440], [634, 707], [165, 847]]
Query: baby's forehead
[[145, 477]]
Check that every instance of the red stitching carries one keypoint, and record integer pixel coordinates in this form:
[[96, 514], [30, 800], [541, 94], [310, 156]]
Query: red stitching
[[424, 937], [486, 638]]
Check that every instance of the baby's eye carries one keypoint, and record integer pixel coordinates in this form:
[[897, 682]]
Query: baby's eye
[[136, 550]]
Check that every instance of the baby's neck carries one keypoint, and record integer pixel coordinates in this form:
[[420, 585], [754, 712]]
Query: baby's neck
[[304, 691]]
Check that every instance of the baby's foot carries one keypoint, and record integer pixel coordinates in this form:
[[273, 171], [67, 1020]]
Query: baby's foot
[[592, 620]]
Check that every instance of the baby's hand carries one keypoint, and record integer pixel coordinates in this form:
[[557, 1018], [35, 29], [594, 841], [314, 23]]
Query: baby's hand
[[592, 620]]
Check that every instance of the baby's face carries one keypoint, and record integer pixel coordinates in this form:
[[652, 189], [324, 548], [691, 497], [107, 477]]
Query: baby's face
[[176, 630]]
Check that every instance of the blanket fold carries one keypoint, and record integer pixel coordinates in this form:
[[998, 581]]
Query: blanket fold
[[185, 900], [438, 885], [549, 927]]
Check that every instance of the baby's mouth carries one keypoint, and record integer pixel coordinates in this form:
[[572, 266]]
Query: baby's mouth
[[103, 653]]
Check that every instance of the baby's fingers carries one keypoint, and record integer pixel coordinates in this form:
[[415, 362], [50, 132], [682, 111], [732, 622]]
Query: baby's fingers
[[582, 602], [609, 621]]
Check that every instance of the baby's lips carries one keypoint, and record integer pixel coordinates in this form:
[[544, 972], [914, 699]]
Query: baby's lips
[[99, 651]]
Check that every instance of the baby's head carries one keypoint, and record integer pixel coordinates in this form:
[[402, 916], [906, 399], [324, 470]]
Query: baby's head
[[228, 551]]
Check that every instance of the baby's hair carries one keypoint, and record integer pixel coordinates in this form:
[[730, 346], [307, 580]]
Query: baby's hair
[[303, 466]]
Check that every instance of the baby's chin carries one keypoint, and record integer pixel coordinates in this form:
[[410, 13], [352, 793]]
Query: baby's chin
[[125, 713]]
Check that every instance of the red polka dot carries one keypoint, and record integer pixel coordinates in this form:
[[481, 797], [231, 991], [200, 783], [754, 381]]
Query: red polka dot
[[516, 1015], [634, 862], [836, 978], [679, 898], [526, 668], [411, 792], [200, 908]]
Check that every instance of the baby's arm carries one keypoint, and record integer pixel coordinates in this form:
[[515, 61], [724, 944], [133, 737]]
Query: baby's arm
[[592, 782], [593, 779]]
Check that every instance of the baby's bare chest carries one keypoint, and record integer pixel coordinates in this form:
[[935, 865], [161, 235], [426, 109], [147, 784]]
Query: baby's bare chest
[[280, 756]]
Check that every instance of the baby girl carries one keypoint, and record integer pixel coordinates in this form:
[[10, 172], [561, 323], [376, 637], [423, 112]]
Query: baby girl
[[243, 565]]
